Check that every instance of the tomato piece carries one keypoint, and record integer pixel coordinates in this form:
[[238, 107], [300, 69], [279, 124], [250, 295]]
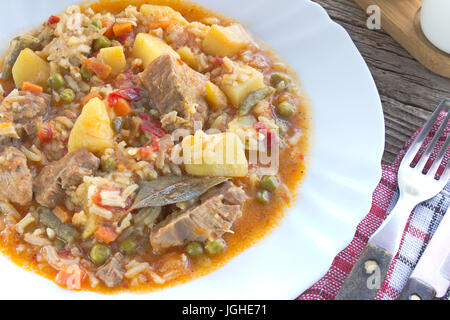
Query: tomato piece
[[147, 151], [218, 61], [71, 276], [151, 126], [46, 133], [127, 37], [54, 19], [271, 136], [129, 94]]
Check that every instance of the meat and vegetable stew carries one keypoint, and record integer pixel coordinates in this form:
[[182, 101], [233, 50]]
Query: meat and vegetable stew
[[143, 144]]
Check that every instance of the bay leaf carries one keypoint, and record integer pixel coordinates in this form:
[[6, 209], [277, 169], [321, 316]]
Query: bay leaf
[[173, 189]]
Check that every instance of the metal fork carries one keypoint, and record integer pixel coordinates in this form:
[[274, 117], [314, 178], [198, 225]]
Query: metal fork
[[415, 187]]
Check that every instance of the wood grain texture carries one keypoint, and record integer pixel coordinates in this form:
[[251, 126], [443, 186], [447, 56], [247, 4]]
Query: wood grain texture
[[401, 20], [409, 92]]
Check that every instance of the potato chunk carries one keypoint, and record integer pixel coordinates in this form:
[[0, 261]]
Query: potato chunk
[[225, 41], [115, 58], [237, 86], [187, 56], [215, 97], [148, 48], [30, 67], [157, 13], [92, 130], [218, 155]]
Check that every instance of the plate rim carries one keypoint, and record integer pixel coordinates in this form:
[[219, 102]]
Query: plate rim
[[373, 183]]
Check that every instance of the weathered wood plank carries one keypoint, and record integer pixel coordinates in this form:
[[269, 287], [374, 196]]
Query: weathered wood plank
[[409, 92]]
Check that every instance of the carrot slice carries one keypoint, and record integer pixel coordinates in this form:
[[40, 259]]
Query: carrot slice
[[91, 96], [106, 234], [100, 69], [122, 28], [108, 24], [122, 108], [33, 88]]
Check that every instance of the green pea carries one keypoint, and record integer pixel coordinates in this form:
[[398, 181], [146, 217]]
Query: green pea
[[85, 73], [128, 246], [214, 247], [100, 253], [269, 183], [96, 23], [109, 164], [117, 124], [285, 109], [67, 95], [263, 197], [56, 81], [194, 249], [102, 42]]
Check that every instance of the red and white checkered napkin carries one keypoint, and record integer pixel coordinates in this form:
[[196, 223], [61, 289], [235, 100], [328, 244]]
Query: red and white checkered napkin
[[422, 224]]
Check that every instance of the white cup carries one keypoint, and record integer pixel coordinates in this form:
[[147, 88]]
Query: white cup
[[435, 21]]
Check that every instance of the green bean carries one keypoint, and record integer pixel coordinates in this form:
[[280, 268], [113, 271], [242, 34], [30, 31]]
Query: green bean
[[63, 231], [48, 219], [85, 73], [269, 183], [56, 81], [194, 249], [128, 246], [285, 109], [253, 98], [59, 244], [277, 78], [67, 233], [67, 95], [100, 253], [17, 45], [263, 197], [214, 247], [102, 42]]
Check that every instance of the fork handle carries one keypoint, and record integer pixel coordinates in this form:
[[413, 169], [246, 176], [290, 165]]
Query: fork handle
[[416, 289], [367, 275], [369, 272]]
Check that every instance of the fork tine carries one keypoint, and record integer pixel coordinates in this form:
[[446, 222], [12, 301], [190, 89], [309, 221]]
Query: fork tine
[[426, 155], [445, 176], [437, 162], [418, 141]]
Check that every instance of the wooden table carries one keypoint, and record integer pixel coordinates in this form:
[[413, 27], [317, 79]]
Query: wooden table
[[409, 92]]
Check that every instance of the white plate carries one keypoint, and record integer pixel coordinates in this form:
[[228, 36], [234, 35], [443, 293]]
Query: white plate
[[345, 157]]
